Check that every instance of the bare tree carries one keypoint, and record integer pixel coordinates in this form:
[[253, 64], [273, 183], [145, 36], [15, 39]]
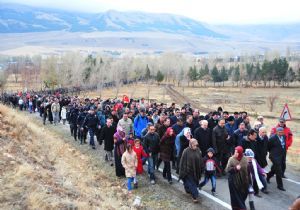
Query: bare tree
[[271, 101]]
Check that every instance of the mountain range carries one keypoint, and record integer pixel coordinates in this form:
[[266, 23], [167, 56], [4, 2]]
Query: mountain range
[[138, 27]]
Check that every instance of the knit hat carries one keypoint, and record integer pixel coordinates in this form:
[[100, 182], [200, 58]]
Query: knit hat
[[249, 153], [149, 124], [230, 118], [279, 129], [211, 150]]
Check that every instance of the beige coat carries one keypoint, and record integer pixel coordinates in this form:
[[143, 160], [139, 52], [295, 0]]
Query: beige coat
[[129, 162]]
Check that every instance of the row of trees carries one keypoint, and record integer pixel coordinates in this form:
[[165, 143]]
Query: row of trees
[[74, 69], [277, 71]]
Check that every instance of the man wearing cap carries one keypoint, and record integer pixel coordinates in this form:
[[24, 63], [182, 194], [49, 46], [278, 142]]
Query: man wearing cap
[[288, 136], [140, 122], [287, 132], [230, 128], [277, 154]]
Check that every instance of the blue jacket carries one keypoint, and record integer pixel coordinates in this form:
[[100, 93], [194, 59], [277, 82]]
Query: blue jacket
[[101, 118], [230, 129], [139, 124]]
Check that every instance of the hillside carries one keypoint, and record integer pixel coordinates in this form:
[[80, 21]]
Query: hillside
[[39, 171]]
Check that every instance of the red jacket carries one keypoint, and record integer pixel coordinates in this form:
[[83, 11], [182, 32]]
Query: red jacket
[[139, 154], [288, 135]]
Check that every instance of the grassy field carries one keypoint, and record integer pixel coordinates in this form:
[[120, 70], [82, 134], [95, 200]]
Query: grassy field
[[156, 93]]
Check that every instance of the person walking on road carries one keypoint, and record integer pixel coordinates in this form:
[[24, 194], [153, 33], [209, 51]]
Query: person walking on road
[[277, 154], [238, 179]]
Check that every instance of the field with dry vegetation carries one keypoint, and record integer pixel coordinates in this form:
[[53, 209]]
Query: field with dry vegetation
[[39, 171]]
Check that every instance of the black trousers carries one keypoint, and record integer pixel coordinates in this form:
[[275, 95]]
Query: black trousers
[[222, 158], [167, 170], [276, 169]]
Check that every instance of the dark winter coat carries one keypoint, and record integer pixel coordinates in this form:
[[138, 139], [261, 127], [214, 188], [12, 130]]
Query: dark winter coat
[[91, 121], [262, 151], [203, 137], [276, 152], [219, 141], [166, 147], [151, 143], [107, 134]]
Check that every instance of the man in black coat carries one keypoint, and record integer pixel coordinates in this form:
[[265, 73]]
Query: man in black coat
[[74, 111], [82, 133], [221, 144], [151, 147], [262, 147], [277, 150], [203, 136], [91, 122], [250, 142], [213, 120], [107, 134]]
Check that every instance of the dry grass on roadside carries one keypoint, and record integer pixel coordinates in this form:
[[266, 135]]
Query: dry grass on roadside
[[39, 171]]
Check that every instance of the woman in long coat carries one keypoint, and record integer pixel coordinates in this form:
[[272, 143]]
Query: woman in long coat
[[238, 179], [166, 149], [120, 147]]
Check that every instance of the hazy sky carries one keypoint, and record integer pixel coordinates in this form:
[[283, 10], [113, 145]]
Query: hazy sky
[[211, 11]]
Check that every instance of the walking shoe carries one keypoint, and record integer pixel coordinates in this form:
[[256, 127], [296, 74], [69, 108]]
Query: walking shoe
[[257, 195], [268, 179], [170, 182], [283, 176], [281, 188], [135, 185], [93, 147], [152, 182], [195, 200], [265, 191], [214, 193]]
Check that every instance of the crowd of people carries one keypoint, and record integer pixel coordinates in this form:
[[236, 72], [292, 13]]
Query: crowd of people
[[135, 133]]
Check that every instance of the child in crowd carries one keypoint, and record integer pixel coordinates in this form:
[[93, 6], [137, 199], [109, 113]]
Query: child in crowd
[[130, 139], [210, 166], [129, 162], [256, 177]]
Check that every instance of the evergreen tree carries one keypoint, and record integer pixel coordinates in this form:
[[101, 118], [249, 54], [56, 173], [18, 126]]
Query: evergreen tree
[[215, 75], [148, 73], [265, 71], [257, 76], [290, 76], [193, 74], [159, 77], [223, 75], [250, 71], [237, 74]]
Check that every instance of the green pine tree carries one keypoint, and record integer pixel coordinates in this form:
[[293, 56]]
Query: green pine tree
[[159, 77]]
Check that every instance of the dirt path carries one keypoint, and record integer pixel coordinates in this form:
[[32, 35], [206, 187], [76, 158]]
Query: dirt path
[[178, 98]]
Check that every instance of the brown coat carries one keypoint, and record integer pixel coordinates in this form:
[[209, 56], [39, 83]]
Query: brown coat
[[129, 162]]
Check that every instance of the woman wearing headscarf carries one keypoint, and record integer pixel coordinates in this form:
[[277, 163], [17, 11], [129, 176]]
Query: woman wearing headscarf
[[182, 142], [190, 169], [166, 150], [120, 147], [238, 179]]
